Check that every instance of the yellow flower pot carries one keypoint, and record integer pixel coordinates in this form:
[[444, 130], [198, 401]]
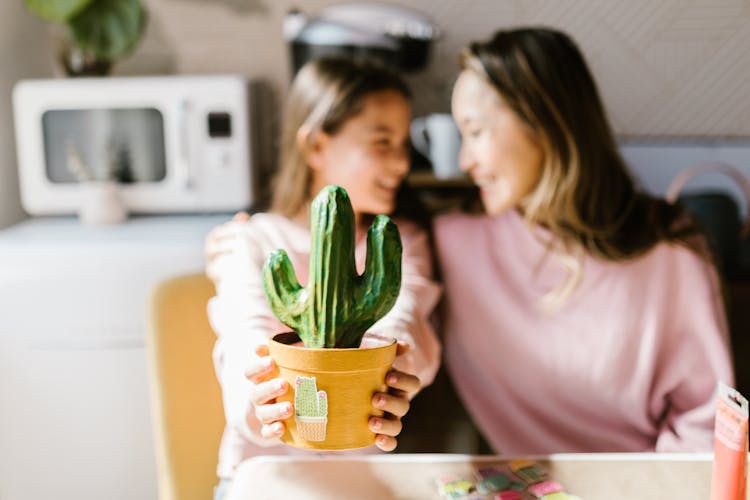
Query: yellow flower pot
[[347, 377]]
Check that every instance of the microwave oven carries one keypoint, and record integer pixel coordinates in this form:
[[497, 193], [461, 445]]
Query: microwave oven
[[172, 144]]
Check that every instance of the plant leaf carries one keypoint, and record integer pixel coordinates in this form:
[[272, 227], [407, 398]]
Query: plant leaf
[[110, 29], [56, 11]]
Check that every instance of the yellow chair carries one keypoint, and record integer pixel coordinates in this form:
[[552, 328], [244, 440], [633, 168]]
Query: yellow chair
[[188, 416]]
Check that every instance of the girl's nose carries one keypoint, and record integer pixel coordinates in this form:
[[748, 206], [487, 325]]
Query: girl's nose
[[400, 162]]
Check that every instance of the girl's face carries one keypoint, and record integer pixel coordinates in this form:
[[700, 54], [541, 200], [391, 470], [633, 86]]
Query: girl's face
[[368, 156], [498, 150]]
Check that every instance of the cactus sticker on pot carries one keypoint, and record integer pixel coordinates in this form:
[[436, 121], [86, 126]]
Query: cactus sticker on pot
[[310, 409], [338, 305]]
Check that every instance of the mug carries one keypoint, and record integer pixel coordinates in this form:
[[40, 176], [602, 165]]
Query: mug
[[437, 138]]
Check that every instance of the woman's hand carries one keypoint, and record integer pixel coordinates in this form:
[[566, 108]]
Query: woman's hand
[[268, 387], [219, 239], [394, 403]]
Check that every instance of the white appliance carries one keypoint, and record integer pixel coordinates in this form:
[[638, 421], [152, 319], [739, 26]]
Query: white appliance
[[172, 143]]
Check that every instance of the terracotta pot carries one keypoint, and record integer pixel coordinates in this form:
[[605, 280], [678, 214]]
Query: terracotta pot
[[77, 62], [344, 381]]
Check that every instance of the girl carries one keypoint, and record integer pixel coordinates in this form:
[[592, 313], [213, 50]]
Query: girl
[[581, 314], [347, 123]]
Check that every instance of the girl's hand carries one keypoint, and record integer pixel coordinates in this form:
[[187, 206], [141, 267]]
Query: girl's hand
[[394, 403], [268, 386]]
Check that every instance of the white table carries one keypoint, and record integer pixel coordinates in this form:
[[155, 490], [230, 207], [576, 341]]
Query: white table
[[636, 476]]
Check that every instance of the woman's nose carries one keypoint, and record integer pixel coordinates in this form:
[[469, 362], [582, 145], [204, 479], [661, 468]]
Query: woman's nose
[[465, 159]]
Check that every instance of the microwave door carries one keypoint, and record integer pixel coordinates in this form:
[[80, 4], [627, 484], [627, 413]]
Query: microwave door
[[122, 145], [183, 170]]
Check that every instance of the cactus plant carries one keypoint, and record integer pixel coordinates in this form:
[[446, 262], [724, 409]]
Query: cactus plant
[[338, 305], [308, 401]]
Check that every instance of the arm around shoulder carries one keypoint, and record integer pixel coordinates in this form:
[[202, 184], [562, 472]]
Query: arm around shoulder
[[409, 319]]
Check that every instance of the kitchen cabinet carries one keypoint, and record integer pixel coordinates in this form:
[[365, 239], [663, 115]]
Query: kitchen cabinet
[[74, 396]]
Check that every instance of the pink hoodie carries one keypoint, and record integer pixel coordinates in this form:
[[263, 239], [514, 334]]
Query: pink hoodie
[[629, 363]]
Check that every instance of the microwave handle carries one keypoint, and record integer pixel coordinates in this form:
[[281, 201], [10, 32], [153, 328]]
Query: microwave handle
[[184, 144]]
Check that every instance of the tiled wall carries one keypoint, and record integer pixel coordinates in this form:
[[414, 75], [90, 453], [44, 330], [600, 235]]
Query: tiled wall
[[665, 67]]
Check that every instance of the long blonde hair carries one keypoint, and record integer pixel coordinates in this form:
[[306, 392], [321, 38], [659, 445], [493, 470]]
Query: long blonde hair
[[585, 197], [325, 93]]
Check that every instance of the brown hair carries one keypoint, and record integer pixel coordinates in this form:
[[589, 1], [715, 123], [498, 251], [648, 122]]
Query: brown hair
[[586, 197], [325, 93]]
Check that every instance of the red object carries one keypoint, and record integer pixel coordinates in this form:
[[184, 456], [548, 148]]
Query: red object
[[729, 475], [509, 495]]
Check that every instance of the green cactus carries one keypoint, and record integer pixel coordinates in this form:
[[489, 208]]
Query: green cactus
[[338, 305], [308, 401]]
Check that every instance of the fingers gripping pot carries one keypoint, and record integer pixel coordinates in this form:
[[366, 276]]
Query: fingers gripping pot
[[331, 371]]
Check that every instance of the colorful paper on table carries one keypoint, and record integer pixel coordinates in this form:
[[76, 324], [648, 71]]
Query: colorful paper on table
[[496, 482], [492, 480], [528, 471], [539, 490], [452, 486], [509, 495]]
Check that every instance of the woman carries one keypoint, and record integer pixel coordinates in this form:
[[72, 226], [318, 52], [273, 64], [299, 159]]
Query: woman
[[582, 315]]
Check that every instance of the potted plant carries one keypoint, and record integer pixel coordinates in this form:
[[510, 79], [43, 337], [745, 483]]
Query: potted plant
[[101, 202], [332, 372], [100, 31]]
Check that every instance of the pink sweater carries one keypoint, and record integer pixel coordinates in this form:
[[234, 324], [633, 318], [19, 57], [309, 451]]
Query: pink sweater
[[629, 363], [242, 319]]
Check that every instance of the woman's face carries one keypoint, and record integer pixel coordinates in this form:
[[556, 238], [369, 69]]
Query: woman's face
[[368, 156], [498, 150]]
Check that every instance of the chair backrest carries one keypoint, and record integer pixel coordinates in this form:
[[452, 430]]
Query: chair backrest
[[188, 417]]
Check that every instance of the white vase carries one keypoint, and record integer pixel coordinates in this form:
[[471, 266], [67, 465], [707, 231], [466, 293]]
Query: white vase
[[102, 204]]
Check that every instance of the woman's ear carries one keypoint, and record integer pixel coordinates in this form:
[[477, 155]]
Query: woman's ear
[[312, 145]]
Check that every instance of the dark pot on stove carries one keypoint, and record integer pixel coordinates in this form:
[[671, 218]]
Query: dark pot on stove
[[395, 35]]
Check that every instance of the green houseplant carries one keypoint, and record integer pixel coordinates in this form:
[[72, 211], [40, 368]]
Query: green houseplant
[[333, 375], [338, 305], [100, 31]]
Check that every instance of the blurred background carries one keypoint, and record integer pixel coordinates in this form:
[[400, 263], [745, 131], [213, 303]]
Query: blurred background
[[666, 69], [74, 406]]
